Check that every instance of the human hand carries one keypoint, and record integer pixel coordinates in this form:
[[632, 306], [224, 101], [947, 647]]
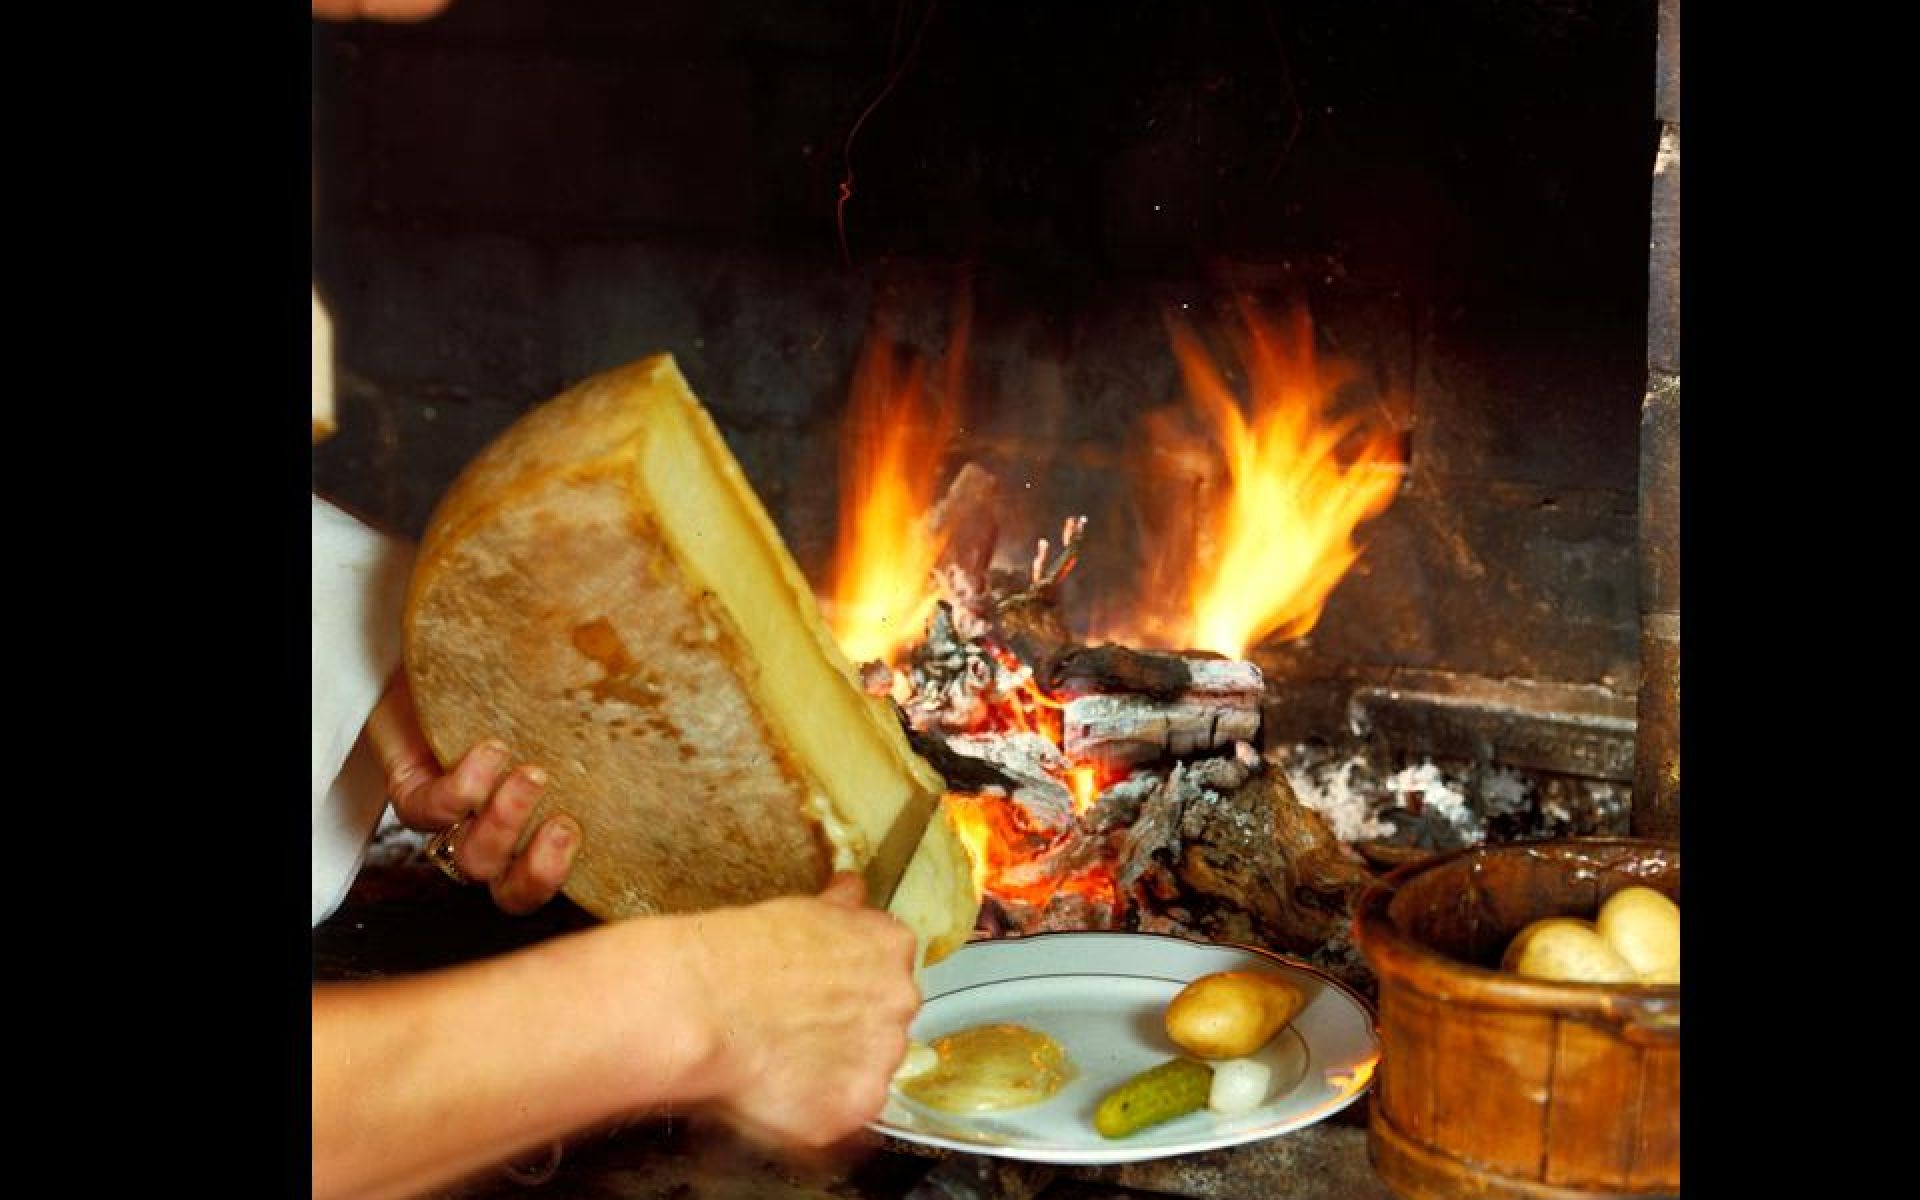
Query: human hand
[[488, 802], [813, 995]]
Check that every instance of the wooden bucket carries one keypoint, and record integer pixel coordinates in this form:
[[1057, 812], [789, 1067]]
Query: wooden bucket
[[1493, 1085]]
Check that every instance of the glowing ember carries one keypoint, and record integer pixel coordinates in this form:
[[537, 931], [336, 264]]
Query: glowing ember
[[1260, 514], [1009, 858], [1022, 707], [895, 437], [1084, 781], [1263, 558]]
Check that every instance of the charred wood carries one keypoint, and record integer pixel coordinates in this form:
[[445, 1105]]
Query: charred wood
[[1150, 844], [1125, 730], [1033, 764], [1119, 806], [962, 772], [1235, 856], [1032, 625], [1260, 851], [968, 519], [993, 921], [953, 678], [1087, 670], [1227, 773], [1063, 912]]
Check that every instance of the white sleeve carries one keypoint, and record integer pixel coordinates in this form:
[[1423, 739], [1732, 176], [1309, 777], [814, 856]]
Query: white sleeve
[[359, 592]]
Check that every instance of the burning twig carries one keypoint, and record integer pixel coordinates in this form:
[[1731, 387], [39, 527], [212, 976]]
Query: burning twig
[[1044, 576]]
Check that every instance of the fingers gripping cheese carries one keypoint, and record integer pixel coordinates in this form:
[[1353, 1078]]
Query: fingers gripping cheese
[[602, 589]]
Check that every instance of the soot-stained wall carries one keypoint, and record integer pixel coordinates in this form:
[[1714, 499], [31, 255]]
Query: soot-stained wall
[[522, 192]]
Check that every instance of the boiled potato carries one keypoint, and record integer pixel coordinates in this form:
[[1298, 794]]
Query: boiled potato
[[1644, 927], [1230, 1014], [1567, 949]]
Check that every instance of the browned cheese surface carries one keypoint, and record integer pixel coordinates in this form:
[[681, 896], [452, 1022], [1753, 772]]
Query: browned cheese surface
[[561, 624], [603, 589]]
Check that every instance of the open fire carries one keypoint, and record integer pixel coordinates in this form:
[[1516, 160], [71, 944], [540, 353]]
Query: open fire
[[895, 429], [1301, 477], [1119, 785]]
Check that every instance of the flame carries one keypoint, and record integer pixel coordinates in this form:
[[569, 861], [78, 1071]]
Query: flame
[[1009, 858], [894, 439], [1024, 707], [1012, 861], [1084, 782], [1274, 492], [1261, 560]]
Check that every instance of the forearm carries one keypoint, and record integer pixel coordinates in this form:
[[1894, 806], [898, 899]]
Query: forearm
[[421, 1081]]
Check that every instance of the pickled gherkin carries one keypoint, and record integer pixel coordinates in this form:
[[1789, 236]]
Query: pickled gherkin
[[1161, 1093]]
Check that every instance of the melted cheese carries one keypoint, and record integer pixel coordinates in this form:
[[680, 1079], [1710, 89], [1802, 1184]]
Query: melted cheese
[[991, 1068]]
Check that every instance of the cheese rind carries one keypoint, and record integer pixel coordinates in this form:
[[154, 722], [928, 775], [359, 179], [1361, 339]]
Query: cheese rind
[[602, 588]]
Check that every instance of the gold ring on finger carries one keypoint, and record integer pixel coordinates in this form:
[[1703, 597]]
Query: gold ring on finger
[[440, 849]]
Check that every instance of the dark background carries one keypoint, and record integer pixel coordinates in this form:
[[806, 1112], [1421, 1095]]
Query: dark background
[[519, 193]]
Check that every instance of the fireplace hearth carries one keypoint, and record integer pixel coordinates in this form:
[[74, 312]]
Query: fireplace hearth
[[1022, 203]]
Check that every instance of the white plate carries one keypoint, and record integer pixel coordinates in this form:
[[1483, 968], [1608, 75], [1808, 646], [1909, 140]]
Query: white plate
[[1101, 996]]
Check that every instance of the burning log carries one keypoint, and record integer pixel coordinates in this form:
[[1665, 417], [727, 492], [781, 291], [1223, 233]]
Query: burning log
[[1099, 670], [1032, 626], [1034, 764], [1124, 731], [1129, 708], [1259, 850], [961, 772], [954, 679], [1064, 912], [1152, 839], [968, 520], [1027, 608], [1236, 843], [1119, 806], [1199, 837], [1039, 876]]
